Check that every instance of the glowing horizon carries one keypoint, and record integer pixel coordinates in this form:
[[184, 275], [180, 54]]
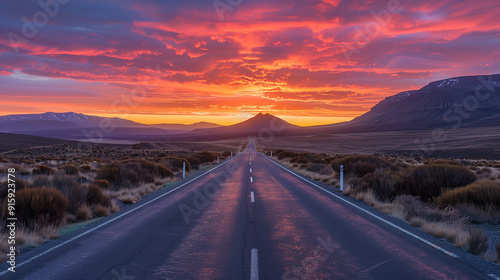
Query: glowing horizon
[[310, 63]]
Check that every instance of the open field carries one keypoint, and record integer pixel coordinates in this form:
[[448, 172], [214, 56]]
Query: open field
[[472, 143], [18, 141]]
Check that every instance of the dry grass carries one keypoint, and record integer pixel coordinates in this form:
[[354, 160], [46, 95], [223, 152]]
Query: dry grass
[[419, 215], [101, 211], [481, 214], [478, 242], [83, 213], [37, 236], [114, 207], [129, 198], [480, 200]]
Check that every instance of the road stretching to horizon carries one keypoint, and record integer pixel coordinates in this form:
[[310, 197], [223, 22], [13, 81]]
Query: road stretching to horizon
[[247, 219]]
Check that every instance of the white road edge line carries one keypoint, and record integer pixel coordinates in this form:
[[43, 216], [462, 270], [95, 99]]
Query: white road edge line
[[252, 197], [110, 221], [254, 265], [371, 214]]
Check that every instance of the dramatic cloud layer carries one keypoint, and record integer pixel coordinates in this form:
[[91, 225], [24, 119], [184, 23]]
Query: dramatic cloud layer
[[328, 58]]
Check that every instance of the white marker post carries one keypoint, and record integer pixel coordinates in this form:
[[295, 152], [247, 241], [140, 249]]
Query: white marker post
[[271, 153], [341, 178], [231, 153], [183, 170], [217, 159]]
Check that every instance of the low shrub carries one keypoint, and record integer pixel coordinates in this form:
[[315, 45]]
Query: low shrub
[[481, 194], [285, 154], [129, 173], [104, 184], [69, 169], [41, 206], [174, 163], [425, 181], [360, 165], [43, 170], [85, 168], [205, 156], [95, 196], [71, 189], [299, 160]]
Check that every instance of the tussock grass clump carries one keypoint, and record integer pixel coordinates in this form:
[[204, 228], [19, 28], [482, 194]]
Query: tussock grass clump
[[83, 213], [101, 211], [481, 194], [85, 168], [96, 197], [206, 157], [43, 170], [174, 163], [478, 242], [104, 184], [69, 169], [43, 206]]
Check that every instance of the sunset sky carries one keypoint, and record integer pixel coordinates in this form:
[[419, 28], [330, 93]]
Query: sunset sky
[[163, 61]]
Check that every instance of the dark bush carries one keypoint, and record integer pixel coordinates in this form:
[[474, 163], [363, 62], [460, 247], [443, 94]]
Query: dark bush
[[193, 161], [71, 189], [69, 169], [40, 206], [104, 184], [129, 173], [95, 196], [361, 165], [299, 159], [205, 156], [285, 154], [426, 181], [110, 172], [174, 163], [429, 181]]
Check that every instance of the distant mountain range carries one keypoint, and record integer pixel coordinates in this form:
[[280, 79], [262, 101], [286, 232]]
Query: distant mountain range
[[78, 126], [462, 101], [456, 102]]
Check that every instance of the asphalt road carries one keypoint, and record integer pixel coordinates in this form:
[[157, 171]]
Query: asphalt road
[[247, 219]]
